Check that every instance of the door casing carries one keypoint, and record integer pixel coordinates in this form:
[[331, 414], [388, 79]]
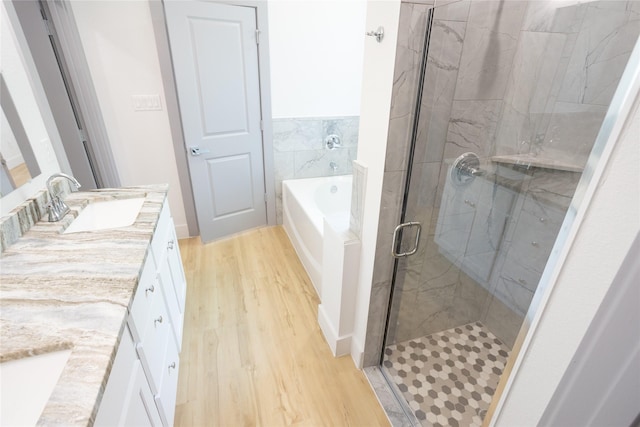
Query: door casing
[[173, 109]]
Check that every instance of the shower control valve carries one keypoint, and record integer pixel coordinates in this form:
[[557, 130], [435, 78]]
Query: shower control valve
[[332, 142]]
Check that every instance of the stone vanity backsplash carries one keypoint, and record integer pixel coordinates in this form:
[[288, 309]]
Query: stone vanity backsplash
[[22, 218], [72, 291]]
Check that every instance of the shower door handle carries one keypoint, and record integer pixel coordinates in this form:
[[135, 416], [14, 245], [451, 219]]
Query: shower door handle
[[396, 244]]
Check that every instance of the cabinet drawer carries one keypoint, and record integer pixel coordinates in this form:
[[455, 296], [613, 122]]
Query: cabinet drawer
[[535, 234], [166, 398], [519, 271], [171, 300], [175, 266], [160, 237], [152, 347], [143, 300]]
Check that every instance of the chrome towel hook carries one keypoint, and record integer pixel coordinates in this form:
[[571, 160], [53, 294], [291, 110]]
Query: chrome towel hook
[[378, 34]]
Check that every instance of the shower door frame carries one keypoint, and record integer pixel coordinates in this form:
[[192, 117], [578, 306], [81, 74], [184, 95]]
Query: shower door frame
[[407, 179], [404, 406]]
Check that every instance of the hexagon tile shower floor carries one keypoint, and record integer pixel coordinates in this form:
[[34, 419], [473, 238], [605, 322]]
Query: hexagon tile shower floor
[[448, 378]]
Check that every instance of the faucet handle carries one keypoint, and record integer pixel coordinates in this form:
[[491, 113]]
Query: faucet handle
[[57, 207]]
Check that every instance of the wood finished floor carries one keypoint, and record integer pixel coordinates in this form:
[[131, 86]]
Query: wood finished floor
[[20, 174], [253, 353]]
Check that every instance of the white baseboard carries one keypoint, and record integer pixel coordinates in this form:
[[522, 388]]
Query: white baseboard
[[182, 231], [14, 161], [357, 352], [340, 346]]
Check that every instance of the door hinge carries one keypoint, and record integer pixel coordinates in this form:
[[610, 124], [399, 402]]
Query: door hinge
[[261, 125], [257, 36], [83, 135], [266, 197], [47, 26]]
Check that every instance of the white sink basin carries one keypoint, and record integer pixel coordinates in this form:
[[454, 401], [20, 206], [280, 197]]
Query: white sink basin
[[106, 215], [26, 385]]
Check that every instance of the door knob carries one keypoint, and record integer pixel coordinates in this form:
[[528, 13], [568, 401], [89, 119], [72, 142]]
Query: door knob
[[196, 151]]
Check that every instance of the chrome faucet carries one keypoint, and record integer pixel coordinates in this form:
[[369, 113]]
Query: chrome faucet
[[57, 208], [333, 166]]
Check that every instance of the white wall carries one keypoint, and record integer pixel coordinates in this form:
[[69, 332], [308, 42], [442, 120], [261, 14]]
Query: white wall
[[120, 48], [316, 50], [29, 99], [8, 144], [377, 81], [316, 60]]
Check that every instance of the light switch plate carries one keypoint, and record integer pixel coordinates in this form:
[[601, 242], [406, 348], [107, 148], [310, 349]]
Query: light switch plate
[[146, 102]]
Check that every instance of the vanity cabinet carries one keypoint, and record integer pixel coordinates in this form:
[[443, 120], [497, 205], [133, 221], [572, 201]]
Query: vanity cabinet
[[530, 240], [143, 383], [127, 398], [471, 223]]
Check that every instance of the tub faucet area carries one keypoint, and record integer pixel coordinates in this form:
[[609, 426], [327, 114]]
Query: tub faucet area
[[334, 167], [57, 208]]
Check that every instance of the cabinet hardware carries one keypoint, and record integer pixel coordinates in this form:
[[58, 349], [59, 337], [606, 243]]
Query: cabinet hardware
[[470, 203], [172, 366], [151, 289], [534, 244], [158, 320], [170, 244]]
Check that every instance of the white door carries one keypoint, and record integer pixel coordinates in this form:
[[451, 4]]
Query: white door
[[215, 59]]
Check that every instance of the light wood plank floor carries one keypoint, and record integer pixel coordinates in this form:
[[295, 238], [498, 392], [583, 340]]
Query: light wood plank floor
[[20, 174], [253, 353]]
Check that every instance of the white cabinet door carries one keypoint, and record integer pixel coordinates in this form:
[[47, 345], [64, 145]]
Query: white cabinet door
[[119, 384], [175, 314], [140, 409], [154, 343], [166, 398], [127, 399], [175, 267], [146, 292]]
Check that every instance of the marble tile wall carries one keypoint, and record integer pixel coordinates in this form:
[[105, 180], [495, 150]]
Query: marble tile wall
[[300, 152], [459, 113], [411, 37], [575, 53], [502, 78]]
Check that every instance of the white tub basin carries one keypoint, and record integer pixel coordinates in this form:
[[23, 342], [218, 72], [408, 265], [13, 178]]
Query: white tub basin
[[106, 215], [26, 385]]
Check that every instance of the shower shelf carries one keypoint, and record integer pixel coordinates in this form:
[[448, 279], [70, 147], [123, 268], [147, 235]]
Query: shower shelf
[[530, 161]]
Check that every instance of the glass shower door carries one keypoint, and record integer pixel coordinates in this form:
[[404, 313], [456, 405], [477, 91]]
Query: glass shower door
[[512, 96]]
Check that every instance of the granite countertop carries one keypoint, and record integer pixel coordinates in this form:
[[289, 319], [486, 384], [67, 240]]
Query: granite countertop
[[72, 291]]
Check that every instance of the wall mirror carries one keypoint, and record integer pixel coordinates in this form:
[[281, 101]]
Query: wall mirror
[[27, 130], [19, 164]]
